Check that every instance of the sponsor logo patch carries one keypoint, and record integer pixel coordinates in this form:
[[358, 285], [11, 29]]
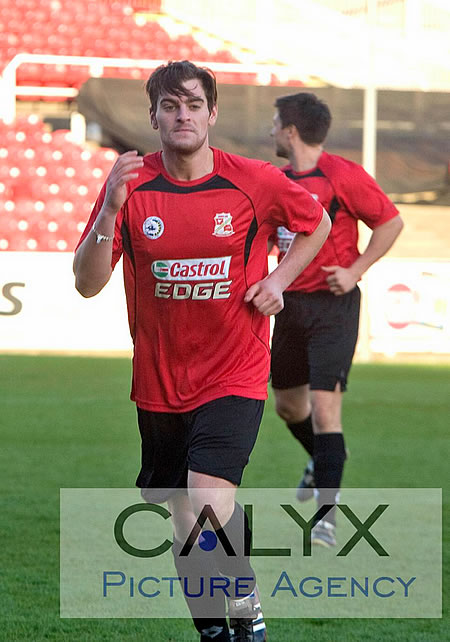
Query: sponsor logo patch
[[194, 291], [209, 269], [222, 224], [153, 227]]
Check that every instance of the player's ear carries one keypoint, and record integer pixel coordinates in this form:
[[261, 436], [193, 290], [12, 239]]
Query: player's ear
[[153, 121], [213, 115], [291, 130]]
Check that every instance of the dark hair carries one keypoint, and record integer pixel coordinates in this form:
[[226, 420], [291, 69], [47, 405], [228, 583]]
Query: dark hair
[[307, 113], [170, 78]]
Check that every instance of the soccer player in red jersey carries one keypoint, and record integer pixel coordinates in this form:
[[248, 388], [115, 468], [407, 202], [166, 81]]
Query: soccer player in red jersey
[[192, 224], [315, 334]]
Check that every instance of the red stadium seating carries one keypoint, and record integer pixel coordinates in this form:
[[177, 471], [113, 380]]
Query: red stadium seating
[[88, 28], [47, 186], [47, 182]]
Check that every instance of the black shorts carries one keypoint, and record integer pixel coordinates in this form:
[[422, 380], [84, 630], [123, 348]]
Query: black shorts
[[314, 339], [215, 438]]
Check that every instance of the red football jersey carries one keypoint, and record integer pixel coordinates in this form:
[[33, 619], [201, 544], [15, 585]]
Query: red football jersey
[[348, 193], [191, 250]]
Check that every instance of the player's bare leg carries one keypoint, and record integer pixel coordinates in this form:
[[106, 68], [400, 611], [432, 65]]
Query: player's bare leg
[[294, 406], [219, 495], [314, 418], [195, 570], [327, 410]]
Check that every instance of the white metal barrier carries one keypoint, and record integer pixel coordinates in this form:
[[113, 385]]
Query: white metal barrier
[[10, 89]]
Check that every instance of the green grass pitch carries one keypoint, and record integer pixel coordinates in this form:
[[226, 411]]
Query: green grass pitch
[[68, 422]]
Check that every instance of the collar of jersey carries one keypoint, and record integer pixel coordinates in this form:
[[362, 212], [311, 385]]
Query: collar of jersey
[[307, 171], [197, 181]]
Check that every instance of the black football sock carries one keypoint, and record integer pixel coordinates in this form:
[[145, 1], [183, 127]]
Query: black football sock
[[208, 612], [303, 432], [329, 458], [238, 533], [215, 630]]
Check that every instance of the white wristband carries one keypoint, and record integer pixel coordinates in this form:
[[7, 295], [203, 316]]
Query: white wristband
[[101, 237]]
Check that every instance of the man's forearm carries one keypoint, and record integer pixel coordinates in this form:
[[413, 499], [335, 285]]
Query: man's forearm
[[92, 263], [380, 242], [301, 252]]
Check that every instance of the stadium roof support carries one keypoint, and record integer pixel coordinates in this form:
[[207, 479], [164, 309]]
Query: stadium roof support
[[370, 96]]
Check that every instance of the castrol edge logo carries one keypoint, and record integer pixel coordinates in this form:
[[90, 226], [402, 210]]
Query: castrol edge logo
[[176, 276], [211, 269]]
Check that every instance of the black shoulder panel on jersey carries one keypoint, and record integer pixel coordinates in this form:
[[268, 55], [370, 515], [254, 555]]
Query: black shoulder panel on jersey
[[295, 177], [249, 239], [161, 184], [126, 241]]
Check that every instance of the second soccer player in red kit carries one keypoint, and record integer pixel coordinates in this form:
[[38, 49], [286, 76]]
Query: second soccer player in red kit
[[192, 223], [315, 334]]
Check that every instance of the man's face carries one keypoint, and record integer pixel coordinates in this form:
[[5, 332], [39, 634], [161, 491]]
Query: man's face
[[280, 137], [183, 121]]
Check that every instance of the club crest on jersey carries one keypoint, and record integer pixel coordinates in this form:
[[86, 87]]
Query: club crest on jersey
[[222, 224], [153, 227]]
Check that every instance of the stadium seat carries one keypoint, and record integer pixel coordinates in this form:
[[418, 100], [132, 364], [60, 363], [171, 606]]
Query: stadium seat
[[90, 29], [6, 192], [47, 186]]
